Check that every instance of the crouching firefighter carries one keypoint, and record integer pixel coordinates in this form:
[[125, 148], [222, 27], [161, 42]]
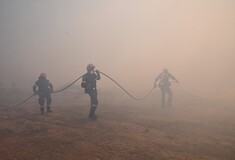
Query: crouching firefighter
[[44, 91], [89, 83]]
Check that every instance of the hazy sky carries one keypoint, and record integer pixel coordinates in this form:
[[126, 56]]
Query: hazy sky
[[131, 40]]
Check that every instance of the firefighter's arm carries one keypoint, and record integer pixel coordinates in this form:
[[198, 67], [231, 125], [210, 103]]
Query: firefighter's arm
[[34, 89], [177, 81], [51, 87], [173, 78], [155, 82], [98, 74]]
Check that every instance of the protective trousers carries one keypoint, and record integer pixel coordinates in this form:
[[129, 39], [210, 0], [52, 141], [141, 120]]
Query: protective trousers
[[41, 101], [42, 98], [94, 102], [166, 90]]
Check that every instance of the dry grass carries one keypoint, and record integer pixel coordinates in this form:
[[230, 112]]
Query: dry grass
[[193, 129]]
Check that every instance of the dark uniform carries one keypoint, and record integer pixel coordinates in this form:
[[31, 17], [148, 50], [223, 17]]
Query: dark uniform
[[164, 85], [89, 84], [44, 91]]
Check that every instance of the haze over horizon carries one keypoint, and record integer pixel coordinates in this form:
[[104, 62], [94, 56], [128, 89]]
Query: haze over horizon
[[132, 41]]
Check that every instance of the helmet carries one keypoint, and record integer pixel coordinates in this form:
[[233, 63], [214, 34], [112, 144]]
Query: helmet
[[43, 75], [90, 67], [165, 70]]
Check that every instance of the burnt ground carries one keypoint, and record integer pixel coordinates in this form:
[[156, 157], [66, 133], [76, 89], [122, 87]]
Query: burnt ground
[[192, 129]]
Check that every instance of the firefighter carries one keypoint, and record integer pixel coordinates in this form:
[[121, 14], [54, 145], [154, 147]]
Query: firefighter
[[164, 85], [43, 88], [89, 84]]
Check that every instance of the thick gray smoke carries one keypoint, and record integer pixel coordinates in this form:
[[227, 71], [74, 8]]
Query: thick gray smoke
[[132, 41]]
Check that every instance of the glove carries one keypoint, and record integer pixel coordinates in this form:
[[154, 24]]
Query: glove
[[97, 71]]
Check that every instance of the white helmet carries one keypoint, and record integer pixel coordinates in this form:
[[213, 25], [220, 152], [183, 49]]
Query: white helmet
[[165, 70]]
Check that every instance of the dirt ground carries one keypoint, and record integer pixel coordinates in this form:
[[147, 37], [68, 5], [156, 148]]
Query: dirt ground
[[192, 129]]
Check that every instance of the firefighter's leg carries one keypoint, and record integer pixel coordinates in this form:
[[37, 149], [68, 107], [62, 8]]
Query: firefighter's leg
[[94, 103], [92, 114], [163, 91], [41, 101], [90, 94], [49, 100], [170, 96]]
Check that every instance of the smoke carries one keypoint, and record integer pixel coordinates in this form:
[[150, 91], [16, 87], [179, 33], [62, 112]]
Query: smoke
[[132, 41]]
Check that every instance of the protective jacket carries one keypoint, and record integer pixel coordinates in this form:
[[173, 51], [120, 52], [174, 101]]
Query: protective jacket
[[89, 81], [164, 79], [44, 86]]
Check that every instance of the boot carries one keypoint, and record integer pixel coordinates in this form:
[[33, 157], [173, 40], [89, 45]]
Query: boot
[[42, 110], [92, 114], [49, 109]]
